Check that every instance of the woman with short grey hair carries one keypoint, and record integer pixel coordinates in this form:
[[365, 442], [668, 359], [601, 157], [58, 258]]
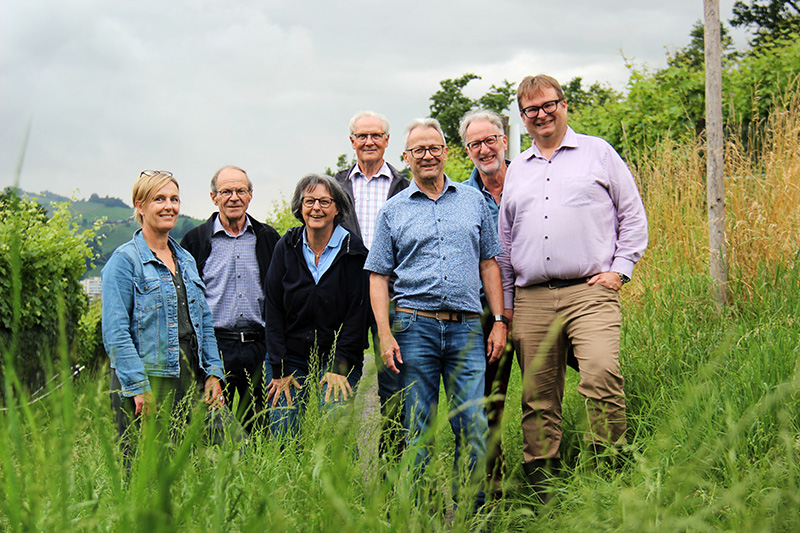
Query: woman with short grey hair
[[317, 297]]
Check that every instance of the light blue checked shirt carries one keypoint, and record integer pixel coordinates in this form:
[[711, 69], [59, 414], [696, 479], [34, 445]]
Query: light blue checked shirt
[[231, 275]]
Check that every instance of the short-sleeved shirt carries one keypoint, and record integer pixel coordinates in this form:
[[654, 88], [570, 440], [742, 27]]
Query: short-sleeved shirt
[[434, 247]]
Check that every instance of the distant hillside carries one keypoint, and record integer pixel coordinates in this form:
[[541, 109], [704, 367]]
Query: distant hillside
[[119, 226]]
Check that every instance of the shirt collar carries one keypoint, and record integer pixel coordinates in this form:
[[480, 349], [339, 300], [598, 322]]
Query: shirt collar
[[384, 171], [217, 226], [570, 140], [448, 185], [339, 233]]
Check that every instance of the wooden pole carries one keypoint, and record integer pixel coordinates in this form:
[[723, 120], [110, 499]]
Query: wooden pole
[[718, 250]]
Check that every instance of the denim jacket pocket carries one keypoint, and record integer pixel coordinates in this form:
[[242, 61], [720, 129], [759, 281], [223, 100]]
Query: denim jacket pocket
[[148, 295]]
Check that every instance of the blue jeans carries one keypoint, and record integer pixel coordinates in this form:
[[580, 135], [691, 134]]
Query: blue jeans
[[284, 419], [431, 348]]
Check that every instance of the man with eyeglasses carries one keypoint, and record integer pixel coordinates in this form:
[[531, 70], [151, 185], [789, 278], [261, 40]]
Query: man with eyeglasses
[[572, 225], [439, 238], [233, 251], [486, 145], [369, 183]]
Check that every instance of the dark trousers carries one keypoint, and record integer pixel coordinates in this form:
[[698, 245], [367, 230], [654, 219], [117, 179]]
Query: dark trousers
[[244, 377], [392, 437], [495, 389], [179, 395]]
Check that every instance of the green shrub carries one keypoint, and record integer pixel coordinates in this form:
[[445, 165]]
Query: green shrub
[[41, 300]]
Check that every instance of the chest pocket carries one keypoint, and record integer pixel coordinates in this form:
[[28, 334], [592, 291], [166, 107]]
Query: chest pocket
[[580, 191], [148, 294]]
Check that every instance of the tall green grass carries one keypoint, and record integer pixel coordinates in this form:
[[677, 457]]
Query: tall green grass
[[713, 405]]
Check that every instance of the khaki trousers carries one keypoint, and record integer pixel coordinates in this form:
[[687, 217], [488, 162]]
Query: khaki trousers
[[547, 322]]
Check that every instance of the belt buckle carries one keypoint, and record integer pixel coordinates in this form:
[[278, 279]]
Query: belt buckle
[[241, 337]]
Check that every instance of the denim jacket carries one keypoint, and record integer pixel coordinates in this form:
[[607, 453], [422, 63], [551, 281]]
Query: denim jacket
[[140, 316]]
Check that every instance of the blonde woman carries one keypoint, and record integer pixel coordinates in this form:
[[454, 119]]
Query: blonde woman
[[157, 327]]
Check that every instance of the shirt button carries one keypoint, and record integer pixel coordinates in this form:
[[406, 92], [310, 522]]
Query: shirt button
[[548, 259], [444, 259], [545, 217], [240, 296], [546, 237], [546, 197]]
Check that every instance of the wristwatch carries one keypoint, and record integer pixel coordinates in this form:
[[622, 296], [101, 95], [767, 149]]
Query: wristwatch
[[623, 278], [501, 318]]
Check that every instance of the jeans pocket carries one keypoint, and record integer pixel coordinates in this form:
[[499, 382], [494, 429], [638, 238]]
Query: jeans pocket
[[402, 321]]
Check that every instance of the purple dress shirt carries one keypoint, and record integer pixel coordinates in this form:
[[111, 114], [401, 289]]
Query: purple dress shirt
[[572, 216]]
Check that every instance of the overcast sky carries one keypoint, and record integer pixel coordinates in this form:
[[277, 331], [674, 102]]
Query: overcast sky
[[113, 87]]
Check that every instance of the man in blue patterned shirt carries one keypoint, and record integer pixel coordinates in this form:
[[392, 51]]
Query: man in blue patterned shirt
[[233, 251], [438, 237]]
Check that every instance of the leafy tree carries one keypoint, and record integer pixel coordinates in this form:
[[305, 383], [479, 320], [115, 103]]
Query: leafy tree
[[449, 104], [41, 261], [498, 98], [693, 54], [767, 19], [596, 95], [670, 102], [341, 164], [281, 217]]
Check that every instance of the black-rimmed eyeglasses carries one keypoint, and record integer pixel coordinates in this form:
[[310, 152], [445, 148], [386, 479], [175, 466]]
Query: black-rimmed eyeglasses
[[490, 142], [419, 152], [548, 108], [324, 203]]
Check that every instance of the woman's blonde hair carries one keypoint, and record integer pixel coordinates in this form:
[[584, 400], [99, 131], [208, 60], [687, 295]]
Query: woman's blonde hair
[[146, 187]]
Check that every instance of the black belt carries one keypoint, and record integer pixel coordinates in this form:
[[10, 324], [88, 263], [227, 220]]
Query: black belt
[[560, 283], [241, 336]]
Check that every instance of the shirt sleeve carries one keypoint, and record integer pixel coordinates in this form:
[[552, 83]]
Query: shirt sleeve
[[381, 254], [490, 244], [117, 310], [504, 259], [632, 233]]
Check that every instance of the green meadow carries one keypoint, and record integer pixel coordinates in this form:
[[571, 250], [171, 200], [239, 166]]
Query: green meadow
[[713, 404]]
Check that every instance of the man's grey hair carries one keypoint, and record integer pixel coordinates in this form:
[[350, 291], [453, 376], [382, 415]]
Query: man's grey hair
[[216, 175], [364, 114], [480, 114], [337, 193], [422, 123]]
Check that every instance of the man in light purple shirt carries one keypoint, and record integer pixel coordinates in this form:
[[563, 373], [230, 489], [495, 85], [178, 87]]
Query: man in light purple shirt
[[572, 226]]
